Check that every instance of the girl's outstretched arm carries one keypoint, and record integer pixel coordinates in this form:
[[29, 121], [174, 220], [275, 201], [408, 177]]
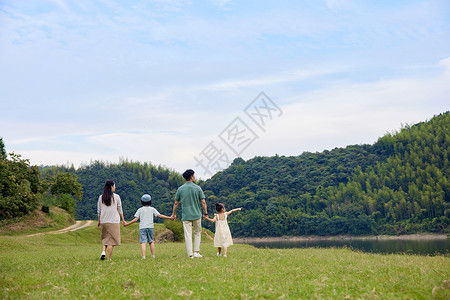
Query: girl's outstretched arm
[[211, 220], [233, 210]]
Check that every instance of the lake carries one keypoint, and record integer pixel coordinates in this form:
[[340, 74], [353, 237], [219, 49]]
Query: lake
[[386, 246]]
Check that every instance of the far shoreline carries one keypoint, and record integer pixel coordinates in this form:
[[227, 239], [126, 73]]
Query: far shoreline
[[416, 236]]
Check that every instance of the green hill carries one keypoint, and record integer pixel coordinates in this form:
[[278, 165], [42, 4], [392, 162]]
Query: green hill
[[37, 221], [133, 179], [398, 185]]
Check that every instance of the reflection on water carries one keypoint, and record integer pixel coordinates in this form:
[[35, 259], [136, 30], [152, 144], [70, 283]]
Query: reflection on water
[[421, 247]]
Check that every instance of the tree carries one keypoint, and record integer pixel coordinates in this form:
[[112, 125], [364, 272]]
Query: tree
[[66, 189], [2, 149], [19, 187]]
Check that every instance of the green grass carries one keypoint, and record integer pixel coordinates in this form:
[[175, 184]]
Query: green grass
[[36, 222], [67, 266]]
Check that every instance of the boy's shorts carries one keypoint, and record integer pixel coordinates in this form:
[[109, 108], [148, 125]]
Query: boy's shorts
[[146, 235]]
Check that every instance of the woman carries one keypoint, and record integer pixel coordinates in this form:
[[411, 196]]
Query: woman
[[109, 210]]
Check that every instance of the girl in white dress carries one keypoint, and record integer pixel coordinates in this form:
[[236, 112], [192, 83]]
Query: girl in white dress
[[222, 237]]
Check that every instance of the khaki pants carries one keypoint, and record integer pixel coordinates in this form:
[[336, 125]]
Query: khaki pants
[[188, 226]]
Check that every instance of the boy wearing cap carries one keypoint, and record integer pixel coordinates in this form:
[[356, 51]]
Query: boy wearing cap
[[146, 214]]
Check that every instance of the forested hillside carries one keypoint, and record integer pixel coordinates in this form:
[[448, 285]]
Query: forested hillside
[[400, 184], [133, 179]]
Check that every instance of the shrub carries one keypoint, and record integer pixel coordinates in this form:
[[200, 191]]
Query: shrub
[[46, 209], [177, 228]]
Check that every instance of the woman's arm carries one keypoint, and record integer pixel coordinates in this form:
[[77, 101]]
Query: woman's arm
[[99, 210]]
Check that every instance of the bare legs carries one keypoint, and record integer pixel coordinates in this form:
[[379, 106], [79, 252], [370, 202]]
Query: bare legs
[[109, 251], [152, 249], [219, 251]]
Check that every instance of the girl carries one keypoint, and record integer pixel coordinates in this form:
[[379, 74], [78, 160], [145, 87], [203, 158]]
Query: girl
[[222, 237]]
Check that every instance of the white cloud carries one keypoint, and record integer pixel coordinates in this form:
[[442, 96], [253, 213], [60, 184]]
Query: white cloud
[[351, 113], [158, 80]]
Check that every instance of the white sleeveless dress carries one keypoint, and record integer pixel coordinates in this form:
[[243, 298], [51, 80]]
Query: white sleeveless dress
[[222, 237]]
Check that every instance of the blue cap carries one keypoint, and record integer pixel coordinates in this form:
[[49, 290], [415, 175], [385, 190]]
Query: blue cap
[[146, 198]]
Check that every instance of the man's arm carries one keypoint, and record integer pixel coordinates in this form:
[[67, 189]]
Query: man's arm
[[205, 209], [174, 212]]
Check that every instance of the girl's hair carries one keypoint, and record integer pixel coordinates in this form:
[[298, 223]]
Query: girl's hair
[[147, 203], [219, 207], [108, 194]]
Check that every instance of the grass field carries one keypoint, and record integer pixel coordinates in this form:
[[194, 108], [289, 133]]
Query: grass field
[[67, 266]]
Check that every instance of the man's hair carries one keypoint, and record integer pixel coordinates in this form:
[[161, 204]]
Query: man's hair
[[188, 174]]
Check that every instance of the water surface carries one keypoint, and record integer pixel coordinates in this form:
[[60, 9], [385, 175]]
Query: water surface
[[420, 247]]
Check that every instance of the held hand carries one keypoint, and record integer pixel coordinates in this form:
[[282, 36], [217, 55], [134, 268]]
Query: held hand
[[98, 225], [124, 223], [173, 217]]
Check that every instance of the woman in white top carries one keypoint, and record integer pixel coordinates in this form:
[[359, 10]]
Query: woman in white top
[[222, 236], [109, 211]]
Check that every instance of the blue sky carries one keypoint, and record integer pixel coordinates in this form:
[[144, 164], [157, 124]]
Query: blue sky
[[162, 81]]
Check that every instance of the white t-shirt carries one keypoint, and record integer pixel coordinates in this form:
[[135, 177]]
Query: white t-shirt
[[145, 215]]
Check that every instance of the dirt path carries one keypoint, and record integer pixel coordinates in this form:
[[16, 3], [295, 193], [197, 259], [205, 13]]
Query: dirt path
[[76, 226]]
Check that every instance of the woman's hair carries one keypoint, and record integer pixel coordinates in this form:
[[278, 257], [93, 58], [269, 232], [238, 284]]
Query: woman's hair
[[219, 207], [108, 194]]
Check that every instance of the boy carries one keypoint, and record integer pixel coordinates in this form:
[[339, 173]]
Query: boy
[[146, 213]]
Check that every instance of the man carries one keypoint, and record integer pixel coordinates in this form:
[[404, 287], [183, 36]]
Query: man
[[191, 196]]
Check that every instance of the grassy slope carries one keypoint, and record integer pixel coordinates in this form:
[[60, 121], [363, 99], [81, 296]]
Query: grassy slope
[[68, 266], [37, 221]]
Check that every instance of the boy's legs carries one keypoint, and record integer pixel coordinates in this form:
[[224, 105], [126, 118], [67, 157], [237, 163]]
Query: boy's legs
[[187, 227], [143, 249], [152, 248], [144, 238]]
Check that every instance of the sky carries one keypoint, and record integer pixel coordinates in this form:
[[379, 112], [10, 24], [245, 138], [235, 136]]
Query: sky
[[195, 84]]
